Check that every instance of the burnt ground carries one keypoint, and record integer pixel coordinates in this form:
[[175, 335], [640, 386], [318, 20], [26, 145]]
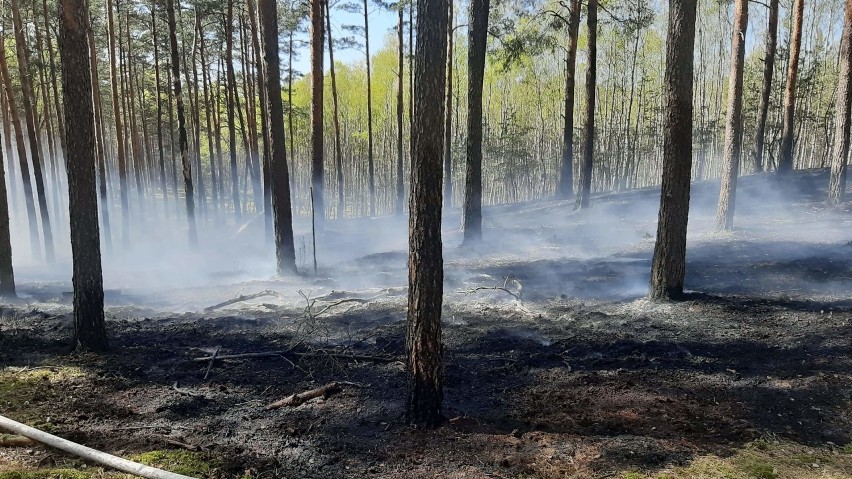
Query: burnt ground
[[581, 377]]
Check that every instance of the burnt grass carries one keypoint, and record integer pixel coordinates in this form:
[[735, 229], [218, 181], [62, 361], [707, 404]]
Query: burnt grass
[[582, 377]]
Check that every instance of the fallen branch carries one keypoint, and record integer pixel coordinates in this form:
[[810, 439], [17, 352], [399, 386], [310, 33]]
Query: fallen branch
[[272, 354], [240, 299], [88, 453], [301, 398], [9, 440], [504, 288]]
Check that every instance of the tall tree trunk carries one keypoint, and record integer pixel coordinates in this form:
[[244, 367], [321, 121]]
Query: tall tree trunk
[[477, 41], [425, 259], [669, 262], [29, 197], [192, 86], [338, 150], [840, 150], [89, 327], [99, 140], [400, 75], [53, 81], [589, 120], [159, 93], [734, 121], [370, 160], [119, 131], [182, 140], [264, 118], [27, 99], [766, 89], [208, 105], [7, 273], [566, 172], [317, 76], [280, 187], [290, 124], [232, 134], [448, 107], [785, 162]]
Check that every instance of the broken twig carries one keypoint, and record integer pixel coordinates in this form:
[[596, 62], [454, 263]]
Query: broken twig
[[212, 360]]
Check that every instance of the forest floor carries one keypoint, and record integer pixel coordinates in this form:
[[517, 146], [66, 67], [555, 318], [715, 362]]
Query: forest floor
[[567, 372]]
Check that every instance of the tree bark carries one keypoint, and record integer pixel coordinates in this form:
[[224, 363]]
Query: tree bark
[[448, 109], [7, 273], [182, 139], [280, 187], [669, 261], [734, 121], [589, 121], [99, 140], [90, 329], [477, 42], [785, 162], [565, 188], [317, 76], [425, 263], [766, 89], [840, 149], [27, 99]]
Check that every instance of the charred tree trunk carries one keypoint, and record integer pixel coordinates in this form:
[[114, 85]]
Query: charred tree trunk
[[669, 264], [317, 163], [734, 121], [27, 99], [425, 263], [589, 120], [785, 162], [90, 330], [840, 150], [477, 41], [566, 172], [182, 139], [766, 89], [280, 187]]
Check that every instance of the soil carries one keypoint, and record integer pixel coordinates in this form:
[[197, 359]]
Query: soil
[[581, 377]]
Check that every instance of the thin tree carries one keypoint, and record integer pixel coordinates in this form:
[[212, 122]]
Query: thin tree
[[160, 149], [477, 40], [565, 188], [448, 107], [338, 148], [89, 327], [119, 131], [589, 121], [317, 76], [99, 140], [231, 85], [371, 175], [425, 260], [766, 89], [785, 163], [182, 139], [669, 264], [840, 150], [280, 187], [29, 196], [7, 273], [28, 102], [400, 75], [734, 121]]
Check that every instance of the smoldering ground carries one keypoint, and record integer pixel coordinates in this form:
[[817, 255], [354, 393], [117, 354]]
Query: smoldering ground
[[563, 368]]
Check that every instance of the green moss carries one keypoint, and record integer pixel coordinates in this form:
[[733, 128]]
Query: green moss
[[632, 475], [758, 468], [22, 390], [46, 474], [182, 462], [847, 449]]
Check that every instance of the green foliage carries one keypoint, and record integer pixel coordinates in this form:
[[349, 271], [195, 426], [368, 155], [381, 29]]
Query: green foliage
[[179, 461], [45, 474]]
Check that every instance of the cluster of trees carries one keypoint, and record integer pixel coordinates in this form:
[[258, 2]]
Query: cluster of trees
[[158, 87]]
